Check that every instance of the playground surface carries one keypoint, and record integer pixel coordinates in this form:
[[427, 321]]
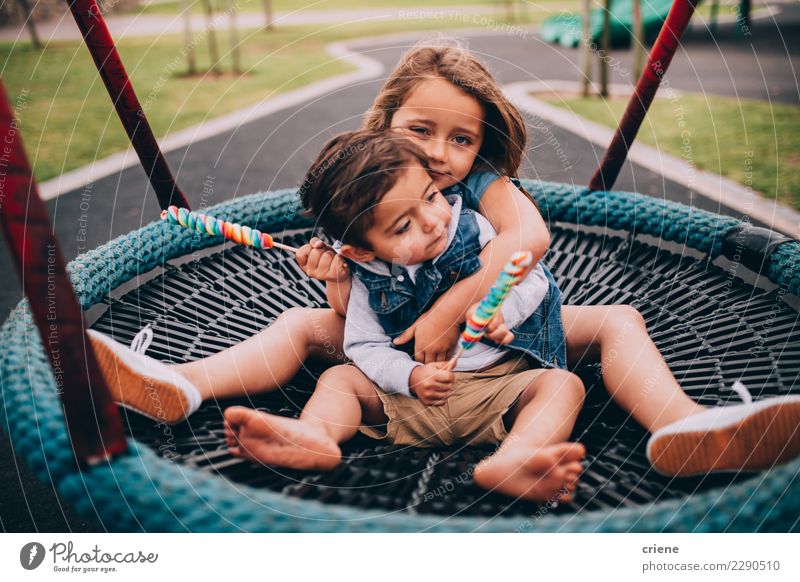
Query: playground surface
[[273, 152]]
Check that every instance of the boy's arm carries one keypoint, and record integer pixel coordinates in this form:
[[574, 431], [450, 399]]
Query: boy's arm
[[519, 226], [338, 294], [371, 349], [321, 262]]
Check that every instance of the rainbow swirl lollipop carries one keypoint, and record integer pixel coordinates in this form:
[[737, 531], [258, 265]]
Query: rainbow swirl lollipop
[[488, 307], [204, 224]]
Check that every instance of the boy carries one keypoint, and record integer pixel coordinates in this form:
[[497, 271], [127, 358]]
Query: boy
[[406, 245]]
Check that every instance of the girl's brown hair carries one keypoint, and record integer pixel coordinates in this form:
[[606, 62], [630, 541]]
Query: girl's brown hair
[[505, 135]]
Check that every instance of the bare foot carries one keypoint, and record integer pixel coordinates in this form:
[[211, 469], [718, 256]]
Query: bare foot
[[546, 474], [277, 440]]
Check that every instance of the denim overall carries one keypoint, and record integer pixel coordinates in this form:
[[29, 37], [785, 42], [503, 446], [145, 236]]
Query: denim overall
[[398, 302]]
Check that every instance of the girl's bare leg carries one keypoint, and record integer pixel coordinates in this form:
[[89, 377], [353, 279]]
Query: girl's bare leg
[[634, 371], [272, 357], [687, 439]]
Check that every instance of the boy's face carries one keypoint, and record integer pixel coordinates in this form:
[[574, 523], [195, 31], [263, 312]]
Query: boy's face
[[410, 222]]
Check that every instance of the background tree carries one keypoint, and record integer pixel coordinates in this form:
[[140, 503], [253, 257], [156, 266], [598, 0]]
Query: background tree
[[191, 64], [213, 51], [268, 24], [30, 24]]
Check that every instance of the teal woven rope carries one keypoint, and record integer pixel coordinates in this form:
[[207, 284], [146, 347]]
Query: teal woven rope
[[670, 221], [141, 492]]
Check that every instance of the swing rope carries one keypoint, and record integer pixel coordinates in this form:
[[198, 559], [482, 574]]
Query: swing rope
[[657, 63], [101, 46], [93, 421]]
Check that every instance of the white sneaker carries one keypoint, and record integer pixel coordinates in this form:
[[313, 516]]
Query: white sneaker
[[743, 437], [143, 384]]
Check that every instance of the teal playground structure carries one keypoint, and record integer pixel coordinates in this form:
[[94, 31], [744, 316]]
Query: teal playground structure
[[566, 28]]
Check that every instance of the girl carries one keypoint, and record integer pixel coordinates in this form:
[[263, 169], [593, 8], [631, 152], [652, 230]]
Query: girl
[[441, 97]]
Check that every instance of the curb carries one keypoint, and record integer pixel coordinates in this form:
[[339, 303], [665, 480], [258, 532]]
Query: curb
[[366, 68], [717, 188]]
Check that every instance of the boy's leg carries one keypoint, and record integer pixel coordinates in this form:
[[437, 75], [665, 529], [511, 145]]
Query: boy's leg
[[534, 461], [687, 439], [272, 357], [170, 393], [342, 399]]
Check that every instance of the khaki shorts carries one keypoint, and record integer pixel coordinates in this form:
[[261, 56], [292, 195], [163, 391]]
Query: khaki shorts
[[472, 414]]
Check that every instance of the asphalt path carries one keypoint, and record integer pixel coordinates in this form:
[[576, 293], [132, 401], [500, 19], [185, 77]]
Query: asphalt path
[[273, 152]]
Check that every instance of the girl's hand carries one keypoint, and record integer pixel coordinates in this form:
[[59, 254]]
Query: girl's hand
[[496, 330], [319, 261], [434, 337]]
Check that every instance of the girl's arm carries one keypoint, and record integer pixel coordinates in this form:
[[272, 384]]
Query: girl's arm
[[519, 226]]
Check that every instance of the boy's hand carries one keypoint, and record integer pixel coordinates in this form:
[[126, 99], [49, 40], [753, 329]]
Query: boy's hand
[[432, 383], [496, 330], [434, 337], [319, 261]]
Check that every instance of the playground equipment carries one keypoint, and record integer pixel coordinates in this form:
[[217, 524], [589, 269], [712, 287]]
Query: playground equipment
[[566, 28], [607, 247]]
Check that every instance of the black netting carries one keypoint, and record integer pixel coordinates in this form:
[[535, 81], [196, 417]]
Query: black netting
[[712, 328]]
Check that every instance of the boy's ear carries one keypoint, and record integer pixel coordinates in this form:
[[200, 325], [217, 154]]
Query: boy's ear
[[357, 253]]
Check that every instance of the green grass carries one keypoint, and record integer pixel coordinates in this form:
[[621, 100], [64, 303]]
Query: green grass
[[174, 6], [68, 121], [752, 142]]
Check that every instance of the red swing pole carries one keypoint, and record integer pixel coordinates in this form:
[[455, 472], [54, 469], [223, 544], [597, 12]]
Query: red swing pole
[[101, 46], [93, 422], [657, 63]]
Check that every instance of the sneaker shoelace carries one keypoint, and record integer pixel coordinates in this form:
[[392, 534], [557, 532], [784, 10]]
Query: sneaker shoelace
[[742, 391], [143, 339]]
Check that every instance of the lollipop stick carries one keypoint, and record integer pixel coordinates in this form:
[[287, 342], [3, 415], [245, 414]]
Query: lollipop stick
[[460, 352], [284, 247], [454, 360]]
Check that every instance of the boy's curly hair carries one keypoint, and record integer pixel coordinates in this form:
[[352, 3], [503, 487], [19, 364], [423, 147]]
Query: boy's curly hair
[[352, 173]]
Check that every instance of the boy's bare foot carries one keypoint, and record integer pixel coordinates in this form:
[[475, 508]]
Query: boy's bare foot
[[546, 474], [277, 440]]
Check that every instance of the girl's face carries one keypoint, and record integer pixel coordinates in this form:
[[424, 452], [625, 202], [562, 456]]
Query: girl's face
[[447, 123]]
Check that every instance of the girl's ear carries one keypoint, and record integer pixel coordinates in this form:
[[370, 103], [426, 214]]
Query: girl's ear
[[357, 253]]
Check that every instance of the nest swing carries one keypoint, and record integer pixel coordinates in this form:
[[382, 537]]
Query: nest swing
[[607, 247]]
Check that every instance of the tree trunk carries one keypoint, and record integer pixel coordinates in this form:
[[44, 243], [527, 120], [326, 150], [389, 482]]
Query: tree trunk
[[637, 42], [268, 14], [606, 44], [510, 12], [744, 14], [587, 48], [235, 51], [713, 17], [191, 64], [213, 52], [30, 24]]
